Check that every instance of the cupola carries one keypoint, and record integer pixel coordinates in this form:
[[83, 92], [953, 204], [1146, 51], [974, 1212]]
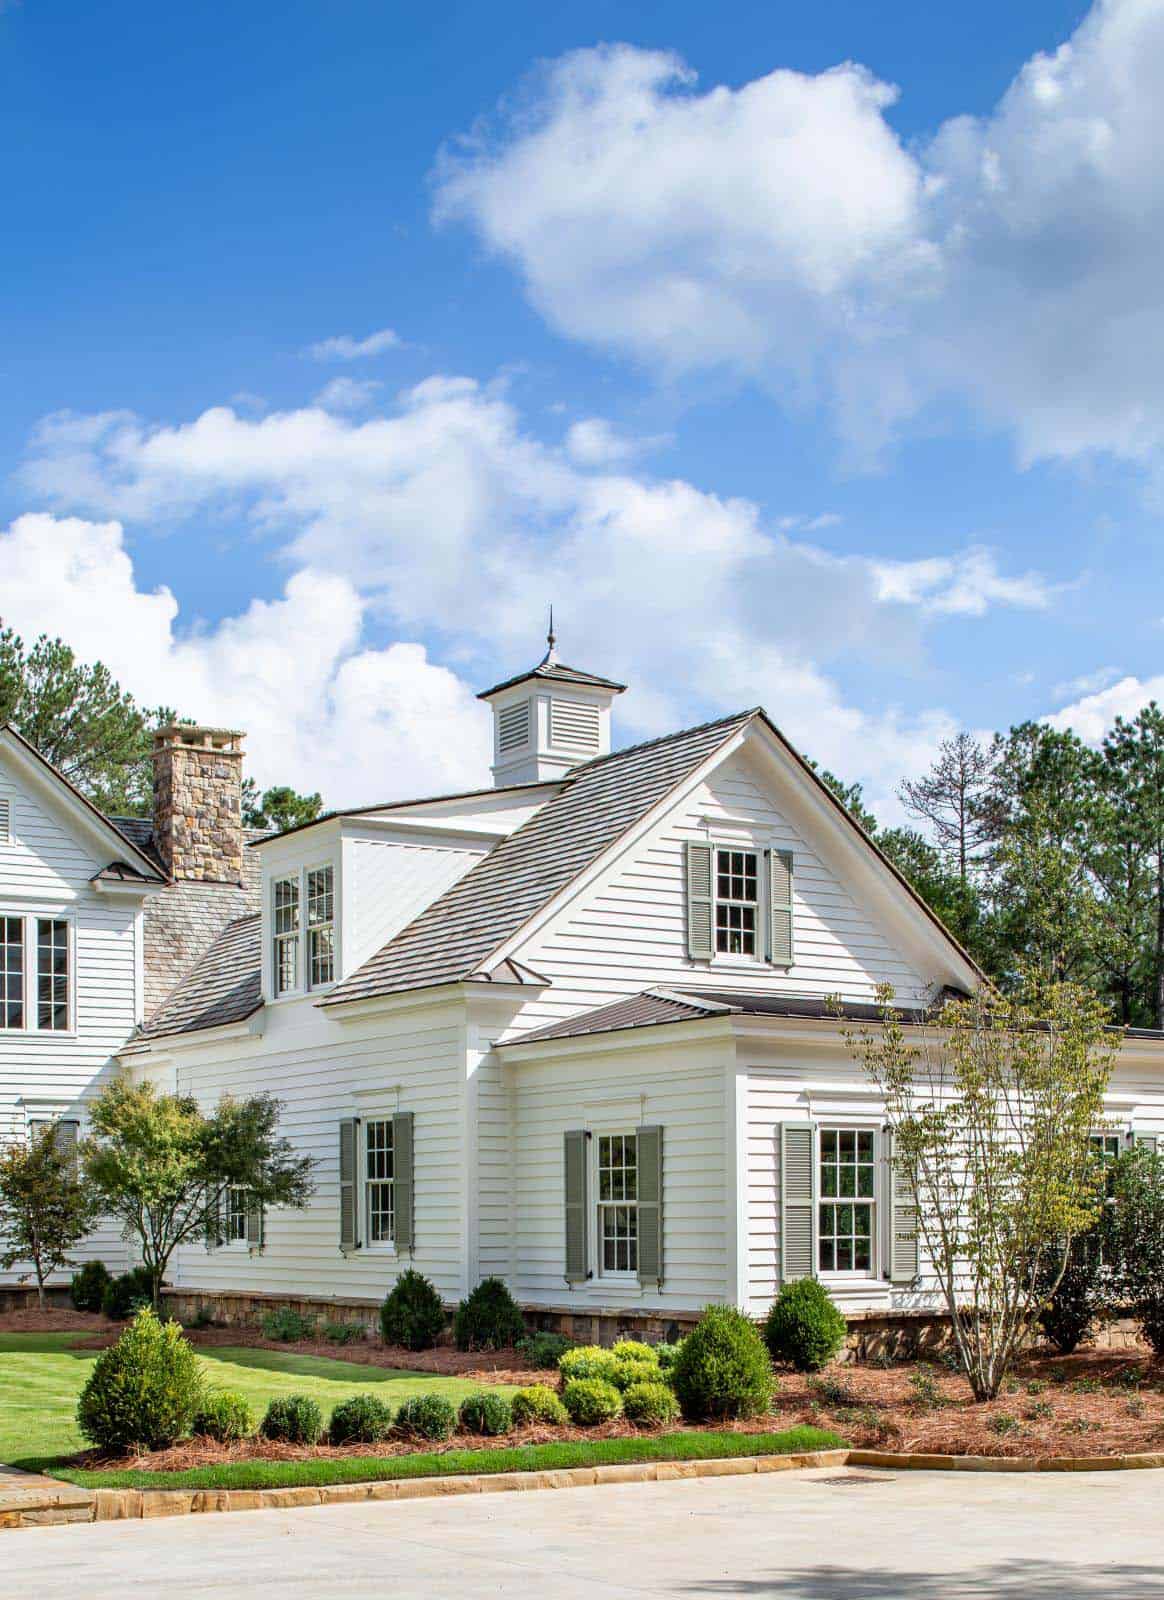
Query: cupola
[[548, 719]]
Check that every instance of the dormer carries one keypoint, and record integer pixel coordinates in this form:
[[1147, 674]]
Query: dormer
[[548, 720]]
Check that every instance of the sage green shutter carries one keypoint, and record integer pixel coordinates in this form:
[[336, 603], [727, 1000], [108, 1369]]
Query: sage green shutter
[[348, 1143], [65, 1133], [402, 1179], [780, 907], [577, 1219], [255, 1223], [797, 1200], [650, 1193], [213, 1223], [700, 917], [903, 1245]]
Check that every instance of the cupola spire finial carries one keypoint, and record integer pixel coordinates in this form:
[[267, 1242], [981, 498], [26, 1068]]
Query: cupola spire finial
[[552, 641]]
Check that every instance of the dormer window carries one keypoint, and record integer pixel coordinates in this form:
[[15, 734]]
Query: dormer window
[[285, 921], [320, 926], [303, 930]]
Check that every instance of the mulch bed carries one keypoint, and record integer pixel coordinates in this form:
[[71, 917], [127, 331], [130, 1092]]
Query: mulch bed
[[59, 1319]]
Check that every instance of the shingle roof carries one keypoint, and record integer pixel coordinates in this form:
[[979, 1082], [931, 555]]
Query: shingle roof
[[597, 803], [224, 986], [556, 672]]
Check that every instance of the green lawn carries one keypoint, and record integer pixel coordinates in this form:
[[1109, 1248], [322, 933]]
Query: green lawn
[[41, 1375]]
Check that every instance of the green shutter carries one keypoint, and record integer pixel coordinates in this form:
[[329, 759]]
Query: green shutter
[[1146, 1141], [700, 916], [780, 907], [402, 1180], [797, 1202], [903, 1243], [256, 1231], [213, 1221], [348, 1142], [577, 1231], [650, 1193]]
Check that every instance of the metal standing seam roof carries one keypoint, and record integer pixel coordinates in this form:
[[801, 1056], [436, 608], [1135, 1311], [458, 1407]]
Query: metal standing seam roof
[[598, 802], [224, 985]]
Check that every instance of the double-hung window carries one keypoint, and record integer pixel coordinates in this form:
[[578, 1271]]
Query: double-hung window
[[235, 1215], [35, 974], [379, 1182], [11, 972], [846, 1213], [737, 902], [285, 923], [303, 930], [618, 1203], [320, 925]]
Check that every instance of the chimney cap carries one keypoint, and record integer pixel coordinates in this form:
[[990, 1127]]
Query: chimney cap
[[197, 735]]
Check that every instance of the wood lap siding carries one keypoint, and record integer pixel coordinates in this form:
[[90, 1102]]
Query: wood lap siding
[[390, 883]]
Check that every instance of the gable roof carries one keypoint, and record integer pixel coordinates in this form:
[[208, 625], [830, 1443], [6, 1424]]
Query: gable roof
[[598, 802], [224, 985], [556, 672]]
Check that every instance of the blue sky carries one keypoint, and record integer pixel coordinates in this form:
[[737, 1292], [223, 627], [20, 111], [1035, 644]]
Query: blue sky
[[784, 388]]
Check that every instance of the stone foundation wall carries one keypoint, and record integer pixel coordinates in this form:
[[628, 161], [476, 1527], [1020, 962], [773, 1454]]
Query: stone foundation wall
[[22, 1297]]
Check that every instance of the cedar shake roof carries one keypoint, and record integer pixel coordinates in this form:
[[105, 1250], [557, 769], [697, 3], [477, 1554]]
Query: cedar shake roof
[[597, 803], [224, 986], [556, 672]]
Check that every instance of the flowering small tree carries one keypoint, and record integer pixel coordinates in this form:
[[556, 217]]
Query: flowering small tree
[[44, 1211], [992, 1101]]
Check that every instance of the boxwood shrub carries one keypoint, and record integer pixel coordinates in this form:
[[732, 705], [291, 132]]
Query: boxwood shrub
[[126, 1294], [427, 1416], [804, 1327], [225, 1416], [590, 1400], [293, 1419], [538, 1403], [627, 1372], [412, 1314], [588, 1361], [145, 1390], [544, 1349], [634, 1350], [723, 1369], [488, 1319], [667, 1355], [87, 1288], [650, 1405], [360, 1419], [487, 1412]]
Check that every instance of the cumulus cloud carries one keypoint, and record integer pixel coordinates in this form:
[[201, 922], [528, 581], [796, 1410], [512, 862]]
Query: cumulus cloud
[[345, 347], [348, 394], [781, 230], [593, 442], [966, 584], [1093, 714]]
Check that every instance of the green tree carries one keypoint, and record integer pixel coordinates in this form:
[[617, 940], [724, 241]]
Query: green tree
[[1133, 1242], [163, 1167], [1133, 763], [956, 901], [45, 1211], [279, 808], [851, 796]]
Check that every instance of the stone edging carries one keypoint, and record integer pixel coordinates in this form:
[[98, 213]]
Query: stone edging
[[937, 1463]]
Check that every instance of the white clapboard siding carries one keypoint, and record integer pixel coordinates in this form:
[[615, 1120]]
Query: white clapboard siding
[[387, 884], [495, 1176]]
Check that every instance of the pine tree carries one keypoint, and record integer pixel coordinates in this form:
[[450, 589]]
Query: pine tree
[[950, 798]]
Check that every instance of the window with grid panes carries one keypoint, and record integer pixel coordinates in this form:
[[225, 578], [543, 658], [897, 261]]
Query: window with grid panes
[[737, 897], [321, 925], [235, 1215], [618, 1202], [11, 972], [847, 1203], [52, 974], [379, 1198], [285, 923]]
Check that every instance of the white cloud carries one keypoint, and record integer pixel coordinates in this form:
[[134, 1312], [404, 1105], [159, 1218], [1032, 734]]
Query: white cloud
[[593, 442], [1087, 683], [344, 347], [966, 584], [781, 230], [1093, 714], [348, 394]]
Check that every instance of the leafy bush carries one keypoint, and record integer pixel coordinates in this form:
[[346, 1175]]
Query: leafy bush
[[360, 1419], [538, 1403], [1003, 1423], [544, 1349], [225, 1416], [204, 1317], [650, 1405], [412, 1314], [1069, 1311], [588, 1361], [88, 1286], [287, 1326], [628, 1372], [834, 1392], [489, 1319], [343, 1332], [667, 1355], [1132, 1230], [1041, 1411], [128, 1293], [590, 1400], [635, 1350], [804, 1327], [427, 1416], [293, 1419], [926, 1393], [723, 1369], [488, 1412], [145, 1390]]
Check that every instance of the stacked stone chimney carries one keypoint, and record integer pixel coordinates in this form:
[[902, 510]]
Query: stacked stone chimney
[[198, 803]]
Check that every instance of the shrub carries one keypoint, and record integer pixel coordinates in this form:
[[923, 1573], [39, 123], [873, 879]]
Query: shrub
[[1069, 1311], [293, 1419], [590, 1400], [650, 1405], [128, 1293], [834, 1392], [628, 1372], [1133, 1239], [412, 1314], [204, 1317], [224, 1416], [723, 1369], [1041, 1411], [360, 1419], [635, 1350], [538, 1403], [427, 1416], [1003, 1423], [804, 1327], [926, 1393], [544, 1349], [588, 1361], [287, 1326], [487, 1413], [88, 1286], [488, 1319], [145, 1390], [343, 1332], [667, 1355]]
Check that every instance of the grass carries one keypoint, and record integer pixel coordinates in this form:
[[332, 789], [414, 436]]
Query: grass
[[42, 1374], [686, 1446]]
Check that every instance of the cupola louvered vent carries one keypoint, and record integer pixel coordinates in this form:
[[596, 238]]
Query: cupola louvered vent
[[513, 727], [5, 820], [574, 726]]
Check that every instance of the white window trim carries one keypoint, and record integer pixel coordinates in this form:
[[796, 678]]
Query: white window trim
[[858, 1278], [302, 986], [386, 1247], [242, 1245], [750, 846], [607, 1130], [30, 916]]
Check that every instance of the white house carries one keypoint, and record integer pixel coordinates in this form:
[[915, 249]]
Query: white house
[[571, 1030]]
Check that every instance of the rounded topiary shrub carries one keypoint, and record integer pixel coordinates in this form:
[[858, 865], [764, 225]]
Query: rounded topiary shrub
[[650, 1405], [225, 1416], [88, 1286], [804, 1327], [723, 1369], [588, 1361], [544, 1350], [634, 1350], [412, 1314], [627, 1372], [486, 1413], [126, 1294], [427, 1416], [537, 1404], [590, 1400], [145, 1390], [293, 1419], [489, 1319], [360, 1419]]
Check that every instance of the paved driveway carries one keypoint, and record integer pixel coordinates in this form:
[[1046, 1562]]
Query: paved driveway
[[849, 1534]]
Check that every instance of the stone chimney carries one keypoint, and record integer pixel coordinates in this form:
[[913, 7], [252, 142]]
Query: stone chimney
[[198, 803]]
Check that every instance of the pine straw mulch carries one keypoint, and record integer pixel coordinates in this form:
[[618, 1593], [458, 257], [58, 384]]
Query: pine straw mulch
[[60, 1319]]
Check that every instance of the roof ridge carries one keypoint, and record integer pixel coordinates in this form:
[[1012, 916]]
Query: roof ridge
[[663, 738]]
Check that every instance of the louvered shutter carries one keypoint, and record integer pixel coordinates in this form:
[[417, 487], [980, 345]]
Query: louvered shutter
[[1146, 1141], [700, 917], [5, 820], [577, 1231], [780, 907], [213, 1220], [402, 1179], [65, 1134], [650, 1192], [256, 1230], [348, 1140], [797, 1201], [903, 1245]]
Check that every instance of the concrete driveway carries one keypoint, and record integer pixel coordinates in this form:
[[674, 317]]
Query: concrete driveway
[[852, 1534]]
